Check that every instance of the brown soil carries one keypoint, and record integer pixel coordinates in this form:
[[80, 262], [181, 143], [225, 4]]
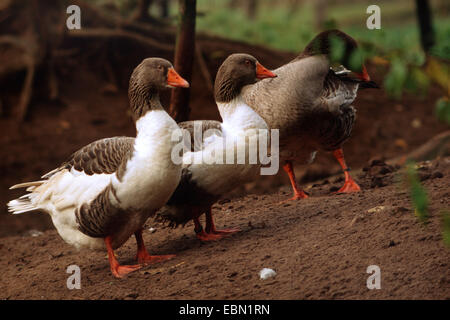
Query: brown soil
[[320, 248]]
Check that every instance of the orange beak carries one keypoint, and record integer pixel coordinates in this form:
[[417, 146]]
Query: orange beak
[[363, 75], [175, 80], [262, 72]]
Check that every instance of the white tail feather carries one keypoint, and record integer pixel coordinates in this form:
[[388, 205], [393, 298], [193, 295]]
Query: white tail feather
[[51, 173], [21, 205], [27, 184]]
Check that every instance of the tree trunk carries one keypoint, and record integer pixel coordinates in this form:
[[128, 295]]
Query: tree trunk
[[251, 8], [164, 8], [184, 59], [425, 24], [141, 13]]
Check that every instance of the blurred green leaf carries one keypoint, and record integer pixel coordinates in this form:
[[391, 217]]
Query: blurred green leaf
[[396, 78], [417, 80], [330, 24], [446, 227], [418, 194], [337, 49], [443, 110], [356, 60]]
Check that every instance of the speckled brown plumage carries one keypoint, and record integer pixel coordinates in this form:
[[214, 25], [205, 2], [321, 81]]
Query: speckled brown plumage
[[107, 155], [308, 102], [99, 218]]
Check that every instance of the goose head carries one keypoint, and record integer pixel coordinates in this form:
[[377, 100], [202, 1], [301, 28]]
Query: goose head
[[237, 71], [148, 78], [340, 48]]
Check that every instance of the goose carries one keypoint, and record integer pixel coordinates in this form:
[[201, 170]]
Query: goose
[[202, 184], [310, 103], [106, 191]]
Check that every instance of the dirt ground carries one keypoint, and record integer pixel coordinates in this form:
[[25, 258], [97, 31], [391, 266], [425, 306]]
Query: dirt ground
[[320, 247]]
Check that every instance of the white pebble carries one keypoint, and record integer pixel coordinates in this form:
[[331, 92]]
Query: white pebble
[[152, 230], [266, 273], [35, 233]]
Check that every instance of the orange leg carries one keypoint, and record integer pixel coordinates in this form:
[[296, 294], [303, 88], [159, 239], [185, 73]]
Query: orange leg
[[200, 232], [142, 256], [350, 185], [117, 270], [211, 228], [298, 193]]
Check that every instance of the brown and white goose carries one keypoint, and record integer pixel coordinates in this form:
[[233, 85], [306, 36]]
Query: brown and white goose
[[105, 191], [310, 104], [204, 182]]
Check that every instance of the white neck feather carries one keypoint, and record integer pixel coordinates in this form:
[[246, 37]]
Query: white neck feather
[[154, 131], [150, 176], [237, 115]]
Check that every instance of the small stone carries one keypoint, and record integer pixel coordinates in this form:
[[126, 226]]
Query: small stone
[[376, 209], [267, 273], [34, 233]]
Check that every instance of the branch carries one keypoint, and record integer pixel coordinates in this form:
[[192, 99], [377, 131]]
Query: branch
[[118, 33], [119, 21], [436, 146], [27, 90]]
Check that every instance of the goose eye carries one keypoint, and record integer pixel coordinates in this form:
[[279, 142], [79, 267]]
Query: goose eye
[[247, 62]]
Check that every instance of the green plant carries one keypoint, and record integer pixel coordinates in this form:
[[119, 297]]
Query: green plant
[[443, 110], [418, 193], [446, 227]]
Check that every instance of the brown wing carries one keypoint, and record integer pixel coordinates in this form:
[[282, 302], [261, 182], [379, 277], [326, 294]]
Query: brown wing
[[338, 91], [102, 156]]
